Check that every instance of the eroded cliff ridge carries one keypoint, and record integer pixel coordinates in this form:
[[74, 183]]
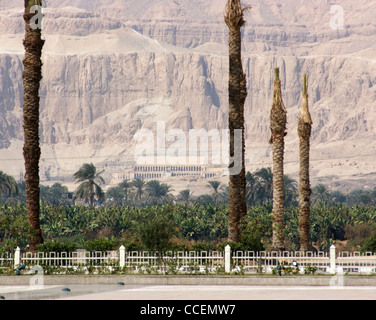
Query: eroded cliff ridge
[[114, 67]]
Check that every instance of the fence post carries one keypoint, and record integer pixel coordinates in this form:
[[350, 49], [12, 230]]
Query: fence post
[[17, 257], [122, 256], [227, 258], [332, 259]]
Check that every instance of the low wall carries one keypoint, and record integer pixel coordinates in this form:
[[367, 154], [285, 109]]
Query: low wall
[[196, 280]]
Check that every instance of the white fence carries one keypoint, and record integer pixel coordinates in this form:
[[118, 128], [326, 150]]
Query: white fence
[[266, 261], [209, 262], [173, 262], [6, 260], [356, 262]]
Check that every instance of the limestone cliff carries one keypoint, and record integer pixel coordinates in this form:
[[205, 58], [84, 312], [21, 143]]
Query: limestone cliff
[[114, 67]]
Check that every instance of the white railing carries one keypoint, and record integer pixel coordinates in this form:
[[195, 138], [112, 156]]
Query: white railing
[[173, 262], [356, 262], [69, 259], [266, 261], [208, 262], [6, 261]]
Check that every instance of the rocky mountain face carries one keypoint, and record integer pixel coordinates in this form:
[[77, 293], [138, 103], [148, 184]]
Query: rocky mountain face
[[114, 67]]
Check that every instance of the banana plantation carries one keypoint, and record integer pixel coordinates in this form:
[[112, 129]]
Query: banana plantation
[[144, 215], [183, 227]]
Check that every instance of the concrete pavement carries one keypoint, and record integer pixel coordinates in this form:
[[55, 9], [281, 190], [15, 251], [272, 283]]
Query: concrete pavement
[[183, 292], [189, 288]]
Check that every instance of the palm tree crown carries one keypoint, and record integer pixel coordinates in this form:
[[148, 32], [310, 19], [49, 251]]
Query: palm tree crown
[[89, 187], [185, 196], [158, 193], [8, 185], [217, 190], [138, 184], [321, 193]]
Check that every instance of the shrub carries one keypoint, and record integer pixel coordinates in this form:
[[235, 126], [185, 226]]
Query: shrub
[[309, 269], [234, 246], [203, 246], [358, 232], [251, 236], [369, 244], [132, 246], [104, 244], [157, 228], [57, 246]]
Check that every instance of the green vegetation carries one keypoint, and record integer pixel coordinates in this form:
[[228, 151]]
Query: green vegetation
[[128, 217], [181, 226], [140, 193], [8, 186], [156, 228]]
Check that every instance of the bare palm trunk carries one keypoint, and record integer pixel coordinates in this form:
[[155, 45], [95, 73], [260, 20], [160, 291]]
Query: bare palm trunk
[[32, 76], [304, 132], [237, 207], [278, 120]]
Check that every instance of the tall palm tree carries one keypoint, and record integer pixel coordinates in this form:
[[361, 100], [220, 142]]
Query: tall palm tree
[[265, 178], [139, 185], [216, 190], [158, 193], [321, 193], [90, 183], [185, 196], [252, 189], [237, 89], [32, 75], [55, 195], [260, 188], [291, 191], [278, 120], [118, 195], [124, 187], [304, 132], [114, 197], [20, 197]]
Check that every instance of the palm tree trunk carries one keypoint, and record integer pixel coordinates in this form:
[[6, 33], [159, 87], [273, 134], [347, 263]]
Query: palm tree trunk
[[278, 120], [32, 76], [237, 207], [304, 132]]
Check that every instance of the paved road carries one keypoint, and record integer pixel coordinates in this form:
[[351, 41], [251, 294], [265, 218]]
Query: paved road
[[184, 292]]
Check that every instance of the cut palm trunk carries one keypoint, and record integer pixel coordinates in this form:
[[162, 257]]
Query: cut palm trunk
[[278, 121], [32, 76], [237, 207], [304, 132]]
